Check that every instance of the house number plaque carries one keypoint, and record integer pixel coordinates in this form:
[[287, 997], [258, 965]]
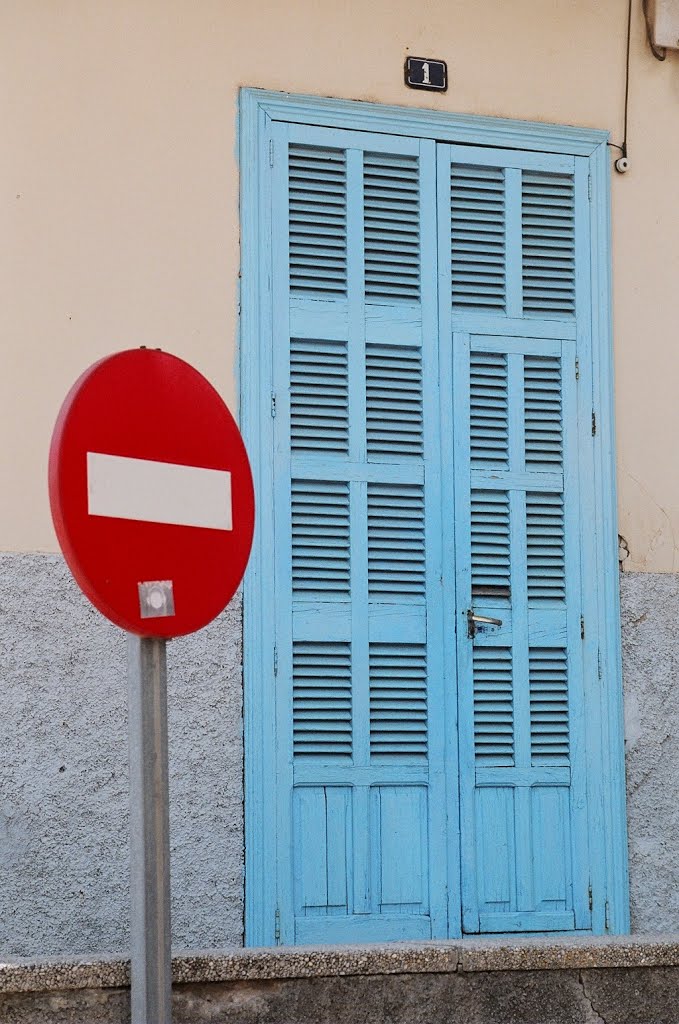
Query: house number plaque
[[426, 73]]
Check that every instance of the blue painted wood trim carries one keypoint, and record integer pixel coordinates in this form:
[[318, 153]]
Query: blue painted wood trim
[[616, 913], [444, 127], [255, 377]]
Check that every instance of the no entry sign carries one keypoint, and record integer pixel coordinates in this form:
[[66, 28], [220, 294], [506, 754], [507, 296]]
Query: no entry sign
[[151, 493], [153, 504]]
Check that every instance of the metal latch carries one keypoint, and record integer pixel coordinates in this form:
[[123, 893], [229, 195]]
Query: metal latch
[[473, 620]]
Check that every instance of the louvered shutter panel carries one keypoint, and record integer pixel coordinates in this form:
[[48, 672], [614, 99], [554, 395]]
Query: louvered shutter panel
[[509, 238], [358, 689]]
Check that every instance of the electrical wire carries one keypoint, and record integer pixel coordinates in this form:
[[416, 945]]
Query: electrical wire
[[614, 145]]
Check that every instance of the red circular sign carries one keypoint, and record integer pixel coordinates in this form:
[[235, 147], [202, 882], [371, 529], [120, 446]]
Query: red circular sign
[[151, 493]]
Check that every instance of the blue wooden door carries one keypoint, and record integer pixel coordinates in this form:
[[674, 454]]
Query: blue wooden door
[[515, 321], [426, 474], [361, 805]]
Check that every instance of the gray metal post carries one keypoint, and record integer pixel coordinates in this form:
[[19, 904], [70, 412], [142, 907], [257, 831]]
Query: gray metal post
[[149, 832]]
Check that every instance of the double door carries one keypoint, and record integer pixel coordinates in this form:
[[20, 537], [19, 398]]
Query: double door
[[430, 478]]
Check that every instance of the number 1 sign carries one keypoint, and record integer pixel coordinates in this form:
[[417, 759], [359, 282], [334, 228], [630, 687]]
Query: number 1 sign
[[426, 73]]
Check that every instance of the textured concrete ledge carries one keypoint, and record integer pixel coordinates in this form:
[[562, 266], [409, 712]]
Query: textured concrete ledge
[[577, 953], [467, 956], [23, 975]]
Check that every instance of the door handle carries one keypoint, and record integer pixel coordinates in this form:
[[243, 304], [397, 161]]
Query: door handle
[[473, 619]]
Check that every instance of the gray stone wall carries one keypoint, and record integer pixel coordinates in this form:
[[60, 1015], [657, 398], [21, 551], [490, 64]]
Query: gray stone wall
[[63, 772], [63, 767], [650, 644]]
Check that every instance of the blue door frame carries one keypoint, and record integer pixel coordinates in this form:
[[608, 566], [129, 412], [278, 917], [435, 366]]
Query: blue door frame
[[259, 112]]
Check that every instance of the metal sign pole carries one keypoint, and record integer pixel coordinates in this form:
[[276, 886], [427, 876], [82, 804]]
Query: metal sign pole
[[149, 832]]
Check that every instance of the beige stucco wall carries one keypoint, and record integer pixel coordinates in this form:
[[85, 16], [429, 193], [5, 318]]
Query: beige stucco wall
[[119, 174]]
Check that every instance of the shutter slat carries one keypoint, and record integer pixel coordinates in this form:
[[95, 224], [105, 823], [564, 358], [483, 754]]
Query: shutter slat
[[549, 726], [322, 699], [398, 701], [490, 539], [395, 513], [320, 539], [319, 397], [317, 213], [543, 412], [548, 235], [391, 199], [478, 257], [493, 706], [394, 401], [488, 398], [545, 547]]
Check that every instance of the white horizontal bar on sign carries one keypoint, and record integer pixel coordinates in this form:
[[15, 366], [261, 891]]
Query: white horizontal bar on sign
[[158, 492]]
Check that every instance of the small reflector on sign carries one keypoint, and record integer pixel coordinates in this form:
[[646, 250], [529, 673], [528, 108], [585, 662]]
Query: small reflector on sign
[[158, 492], [155, 599]]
